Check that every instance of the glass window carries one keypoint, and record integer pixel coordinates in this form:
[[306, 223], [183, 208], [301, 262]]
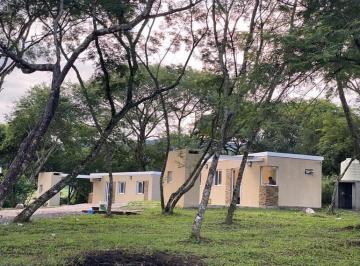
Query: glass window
[[217, 178], [140, 187], [40, 188], [169, 176], [268, 175], [121, 187]]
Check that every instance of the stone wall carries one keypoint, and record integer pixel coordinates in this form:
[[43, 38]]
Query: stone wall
[[268, 196]]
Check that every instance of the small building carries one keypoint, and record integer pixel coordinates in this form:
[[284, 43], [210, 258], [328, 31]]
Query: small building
[[296, 179], [127, 186], [45, 181], [348, 196]]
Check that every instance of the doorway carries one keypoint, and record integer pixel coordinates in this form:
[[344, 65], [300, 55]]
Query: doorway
[[233, 183], [345, 195]]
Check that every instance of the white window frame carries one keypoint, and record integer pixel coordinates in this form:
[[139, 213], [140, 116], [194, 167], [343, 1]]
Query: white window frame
[[216, 178], [276, 177], [171, 175], [137, 187], [119, 187]]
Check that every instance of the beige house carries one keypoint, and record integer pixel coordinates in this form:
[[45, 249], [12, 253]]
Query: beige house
[[270, 179], [45, 181], [127, 186]]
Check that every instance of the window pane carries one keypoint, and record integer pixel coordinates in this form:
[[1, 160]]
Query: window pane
[[121, 187], [140, 187], [217, 178]]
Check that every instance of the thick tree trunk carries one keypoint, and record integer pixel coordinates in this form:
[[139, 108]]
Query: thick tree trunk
[[331, 209], [236, 192]]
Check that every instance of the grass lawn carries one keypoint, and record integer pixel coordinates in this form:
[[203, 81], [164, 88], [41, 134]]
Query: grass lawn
[[258, 237]]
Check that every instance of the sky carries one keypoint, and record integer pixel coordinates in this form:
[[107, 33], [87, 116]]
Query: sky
[[17, 84]]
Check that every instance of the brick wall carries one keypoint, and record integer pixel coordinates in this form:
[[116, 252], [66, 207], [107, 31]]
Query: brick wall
[[269, 196]]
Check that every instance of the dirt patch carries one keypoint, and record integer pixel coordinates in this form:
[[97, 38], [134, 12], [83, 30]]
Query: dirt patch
[[120, 257], [354, 243], [349, 228]]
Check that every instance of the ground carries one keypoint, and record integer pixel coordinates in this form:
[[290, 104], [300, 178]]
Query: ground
[[259, 236], [7, 215]]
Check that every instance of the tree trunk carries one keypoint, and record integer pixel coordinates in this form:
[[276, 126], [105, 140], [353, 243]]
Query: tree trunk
[[188, 184], [25, 215], [167, 127], [69, 195], [29, 145], [331, 209], [110, 194], [236, 192], [349, 120], [196, 227], [140, 151], [111, 180]]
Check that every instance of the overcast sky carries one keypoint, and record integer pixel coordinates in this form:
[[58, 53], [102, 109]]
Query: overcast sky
[[17, 84]]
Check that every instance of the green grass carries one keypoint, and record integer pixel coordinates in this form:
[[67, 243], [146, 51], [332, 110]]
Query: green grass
[[258, 237]]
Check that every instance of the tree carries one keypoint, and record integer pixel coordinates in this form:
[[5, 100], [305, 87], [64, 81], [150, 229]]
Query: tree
[[127, 43], [60, 20]]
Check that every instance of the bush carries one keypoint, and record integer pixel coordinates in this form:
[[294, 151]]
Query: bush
[[327, 189]]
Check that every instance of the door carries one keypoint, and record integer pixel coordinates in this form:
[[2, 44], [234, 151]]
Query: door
[[233, 183], [345, 195]]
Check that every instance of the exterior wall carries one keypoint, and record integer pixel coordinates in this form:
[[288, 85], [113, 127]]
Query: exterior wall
[[47, 180], [151, 188], [181, 163], [249, 190], [297, 189], [250, 186], [356, 195]]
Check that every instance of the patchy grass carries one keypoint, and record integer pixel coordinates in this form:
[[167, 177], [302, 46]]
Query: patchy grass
[[258, 237]]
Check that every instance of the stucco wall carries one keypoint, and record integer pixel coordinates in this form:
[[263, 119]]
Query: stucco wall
[[47, 180], [297, 189], [181, 163], [130, 190], [249, 192]]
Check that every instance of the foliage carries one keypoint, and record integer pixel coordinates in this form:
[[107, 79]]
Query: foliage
[[327, 188], [308, 127], [258, 236]]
